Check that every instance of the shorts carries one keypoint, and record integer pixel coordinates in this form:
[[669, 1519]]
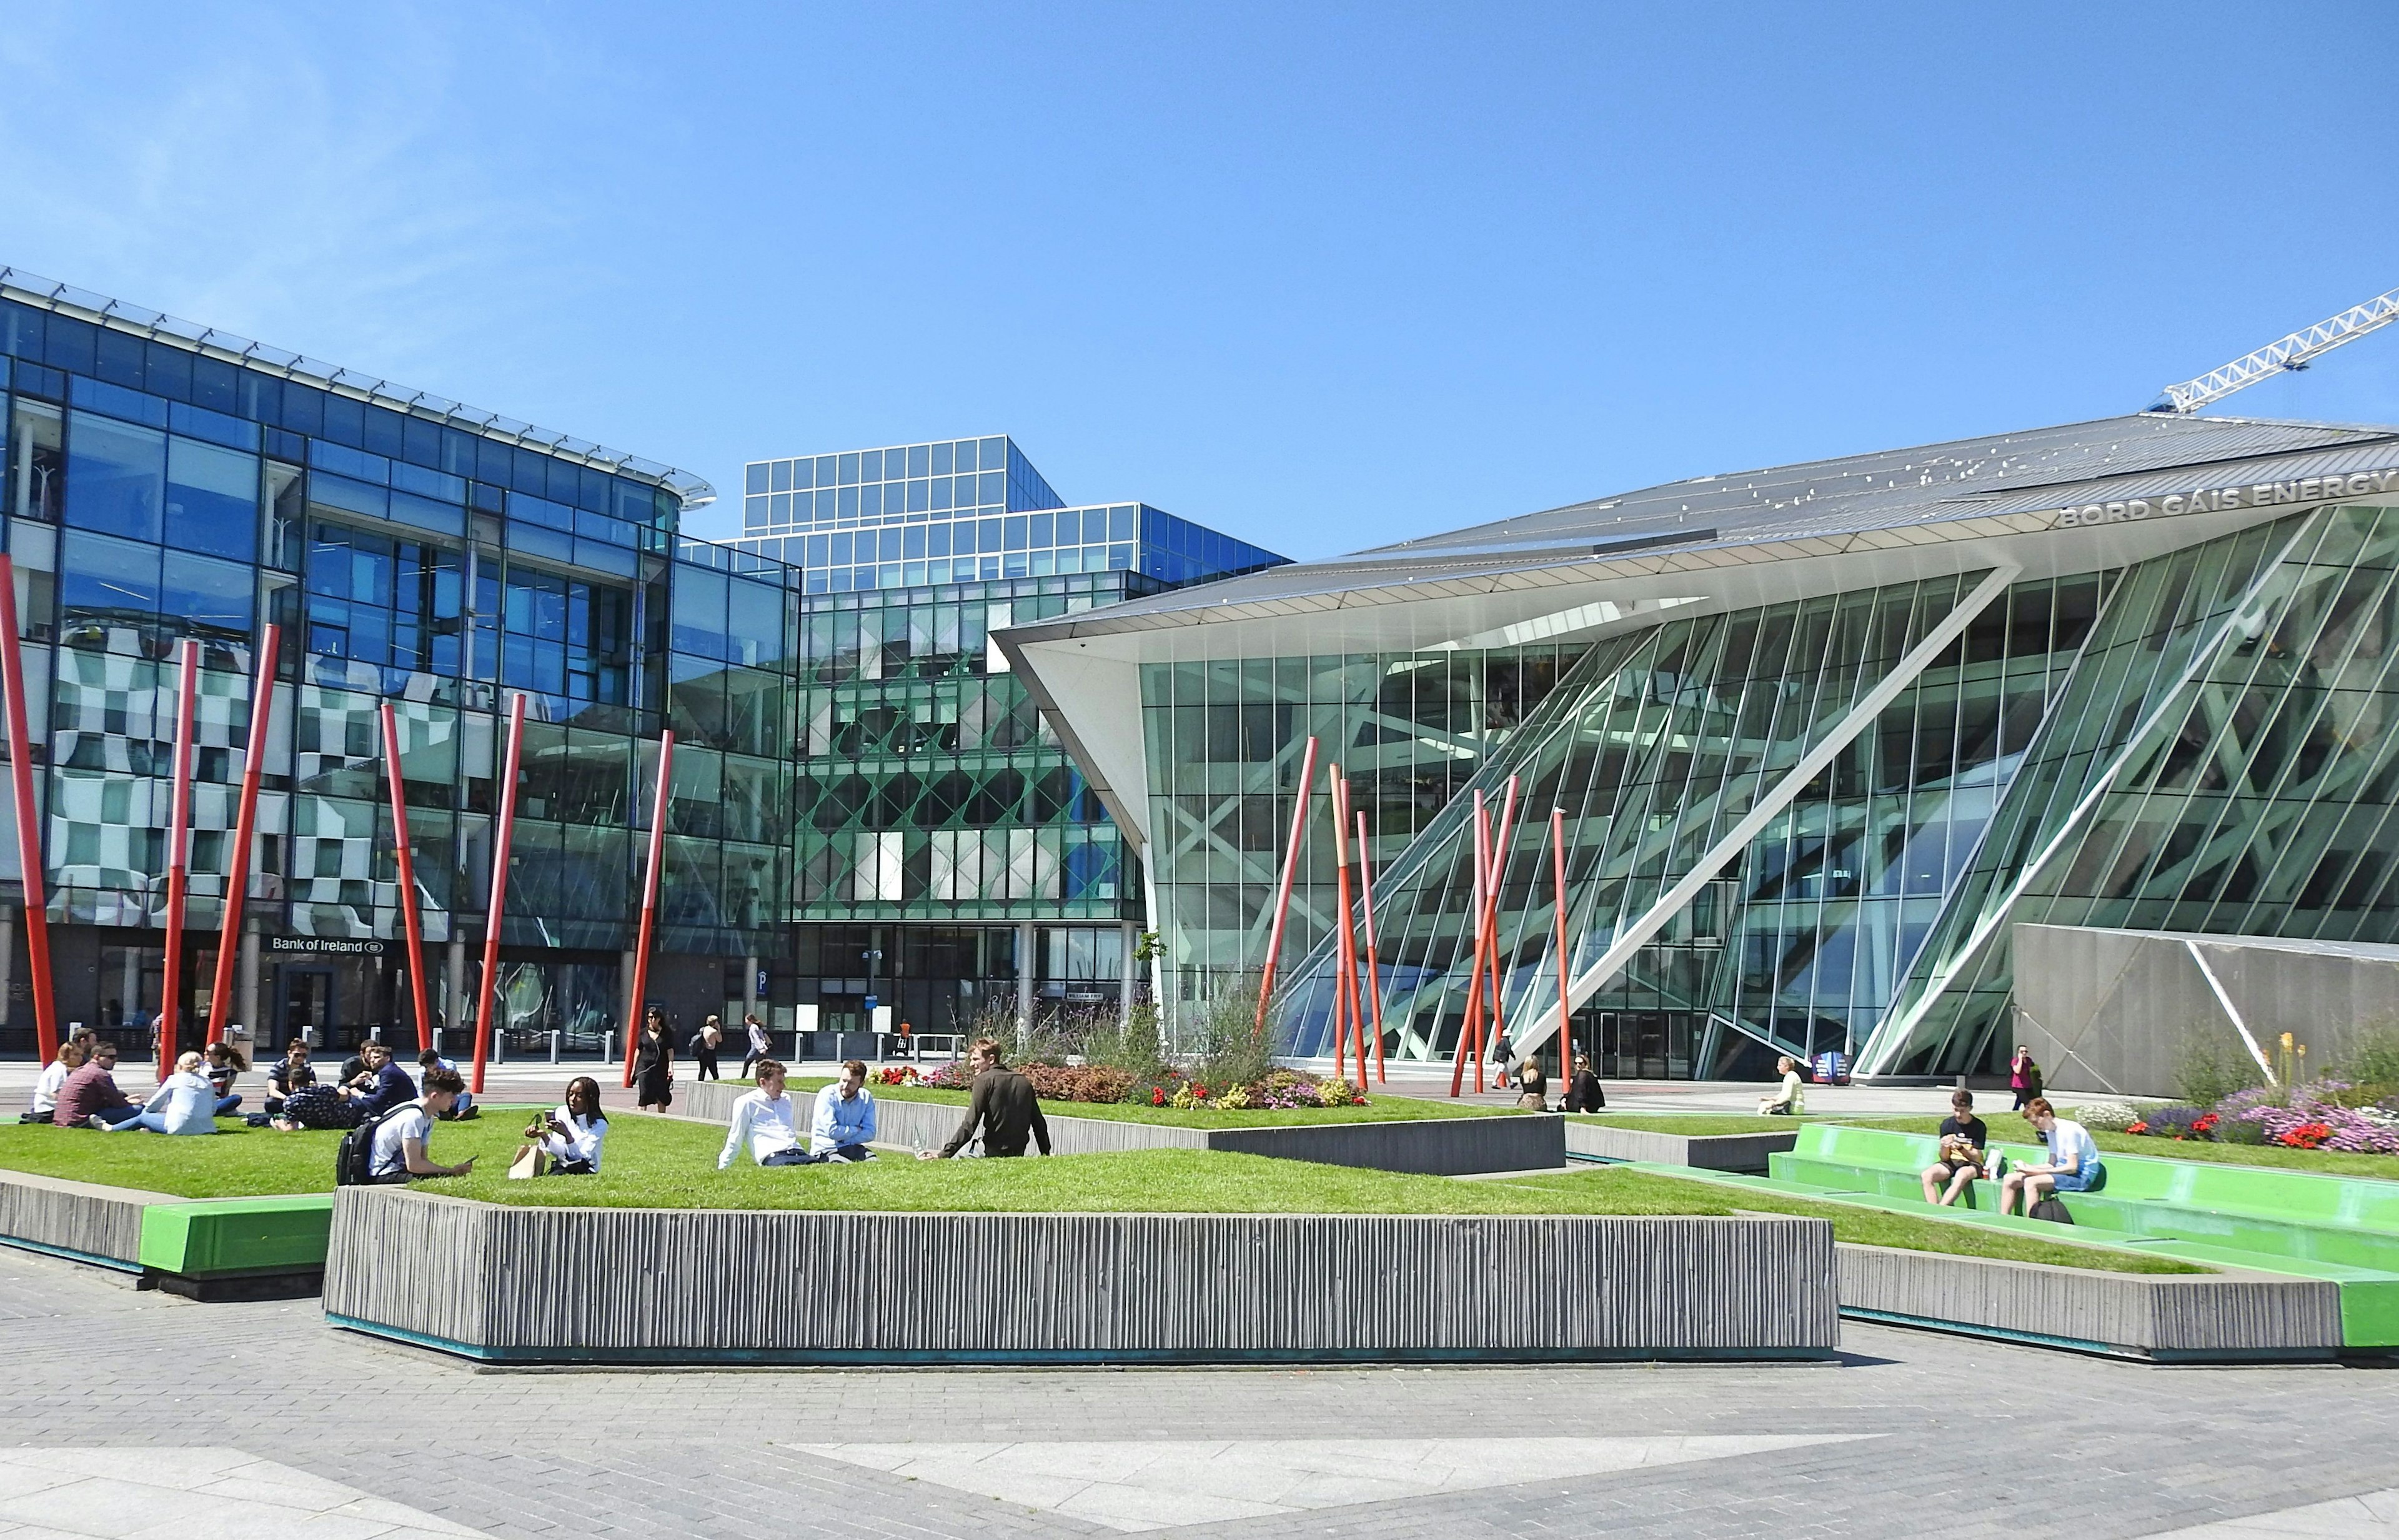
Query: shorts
[[2089, 1179]]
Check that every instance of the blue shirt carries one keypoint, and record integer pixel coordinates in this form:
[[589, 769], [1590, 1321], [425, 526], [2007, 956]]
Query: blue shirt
[[392, 1087], [840, 1122]]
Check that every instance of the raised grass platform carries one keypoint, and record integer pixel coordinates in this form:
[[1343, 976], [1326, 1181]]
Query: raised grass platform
[[1742, 1152], [1445, 1146], [204, 1248], [2341, 1230], [589, 1285]]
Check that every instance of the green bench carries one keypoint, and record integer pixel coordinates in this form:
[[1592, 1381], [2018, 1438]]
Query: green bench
[[222, 1242], [2342, 1228]]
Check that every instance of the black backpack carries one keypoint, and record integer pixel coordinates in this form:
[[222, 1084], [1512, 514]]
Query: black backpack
[[353, 1157], [2053, 1211]]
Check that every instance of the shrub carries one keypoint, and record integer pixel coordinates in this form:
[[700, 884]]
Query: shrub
[[2185, 1122], [1231, 1050], [2113, 1118], [1088, 1083], [2372, 1057], [2207, 1072]]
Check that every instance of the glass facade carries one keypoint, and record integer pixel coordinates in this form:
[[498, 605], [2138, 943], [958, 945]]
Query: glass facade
[[157, 488], [938, 818]]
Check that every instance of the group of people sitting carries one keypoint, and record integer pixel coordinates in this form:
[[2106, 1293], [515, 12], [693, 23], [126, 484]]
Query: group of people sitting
[[2073, 1165], [1002, 1112], [80, 1089]]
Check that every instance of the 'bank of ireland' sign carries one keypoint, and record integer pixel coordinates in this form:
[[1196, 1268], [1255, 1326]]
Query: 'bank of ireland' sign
[[2246, 494]]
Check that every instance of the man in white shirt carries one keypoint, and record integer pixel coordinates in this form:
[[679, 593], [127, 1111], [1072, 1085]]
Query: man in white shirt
[[844, 1124], [766, 1120], [400, 1138], [2073, 1165]]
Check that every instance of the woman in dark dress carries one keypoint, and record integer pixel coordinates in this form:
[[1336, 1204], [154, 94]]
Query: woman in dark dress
[[654, 1064]]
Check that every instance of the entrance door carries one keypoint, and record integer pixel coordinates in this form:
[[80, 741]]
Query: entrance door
[[306, 996]]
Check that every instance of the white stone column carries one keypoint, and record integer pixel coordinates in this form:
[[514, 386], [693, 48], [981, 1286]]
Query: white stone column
[[1131, 931], [246, 990], [749, 988], [7, 958], [1024, 936]]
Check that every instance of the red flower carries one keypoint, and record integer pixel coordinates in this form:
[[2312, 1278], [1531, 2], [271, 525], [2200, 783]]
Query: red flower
[[1157, 1096], [2137, 1128]]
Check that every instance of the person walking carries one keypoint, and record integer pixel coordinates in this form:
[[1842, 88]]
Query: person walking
[[704, 1044], [759, 1046], [2023, 1077], [1003, 1104], [654, 1064]]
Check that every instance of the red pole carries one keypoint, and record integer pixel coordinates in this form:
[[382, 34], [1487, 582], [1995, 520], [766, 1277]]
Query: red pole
[[409, 915], [1290, 870], [1345, 952], [178, 871], [649, 899], [1472, 1024], [487, 987], [1499, 847], [245, 824], [29, 822], [1565, 1014], [1374, 973]]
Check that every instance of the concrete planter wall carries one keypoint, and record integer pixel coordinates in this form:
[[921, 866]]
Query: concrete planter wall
[[75, 1219], [1707, 1152], [2166, 1317], [696, 1286], [1439, 1147]]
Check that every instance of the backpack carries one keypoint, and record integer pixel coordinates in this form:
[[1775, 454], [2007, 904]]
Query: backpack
[[2053, 1211], [353, 1157]]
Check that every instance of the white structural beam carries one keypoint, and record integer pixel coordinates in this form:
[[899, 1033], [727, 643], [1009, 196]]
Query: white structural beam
[[1860, 716], [2296, 351]]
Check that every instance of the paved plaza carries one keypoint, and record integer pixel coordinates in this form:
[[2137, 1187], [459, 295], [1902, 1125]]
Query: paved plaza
[[130, 1413]]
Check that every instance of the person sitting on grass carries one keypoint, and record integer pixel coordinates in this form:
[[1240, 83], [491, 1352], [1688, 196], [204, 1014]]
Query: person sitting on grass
[[380, 1084], [572, 1135], [765, 1119], [1532, 1085], [431, 1059], [1003, 1104], [91, 1097], [844, 1124], [224, 1068], [1786, 1101], [288, 1074], [52, 1080], [401, 1141], [1583, 1092], [2073, 1165], [1964, 1139], [185, 1103]]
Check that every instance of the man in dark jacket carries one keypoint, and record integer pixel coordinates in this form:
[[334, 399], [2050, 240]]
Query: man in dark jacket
[[388, 1086], [1003, 1105]]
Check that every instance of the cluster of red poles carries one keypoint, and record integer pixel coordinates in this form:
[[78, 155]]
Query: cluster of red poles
[[179, 832], [1356, 1000]]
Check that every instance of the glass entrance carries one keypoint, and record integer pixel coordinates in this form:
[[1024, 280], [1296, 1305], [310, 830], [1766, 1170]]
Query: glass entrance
[[304, 1000], [1647, 1045]]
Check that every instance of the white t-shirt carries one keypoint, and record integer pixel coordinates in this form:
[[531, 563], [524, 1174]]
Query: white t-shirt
[[766, 1124], [412, 1121], [45, 1089], [581, 1141], [2072, 1147]]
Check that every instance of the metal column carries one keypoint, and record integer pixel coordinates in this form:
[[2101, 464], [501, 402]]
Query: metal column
[[1024, 980]]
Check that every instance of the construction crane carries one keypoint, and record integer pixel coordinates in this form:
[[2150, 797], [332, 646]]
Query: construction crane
[[2296, 351]]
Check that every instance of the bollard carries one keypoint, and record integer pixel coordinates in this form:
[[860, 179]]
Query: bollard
[[554, 1046], [608, 1047]]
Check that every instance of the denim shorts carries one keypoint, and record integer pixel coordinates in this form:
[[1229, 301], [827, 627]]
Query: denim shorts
[[2093, 1177]]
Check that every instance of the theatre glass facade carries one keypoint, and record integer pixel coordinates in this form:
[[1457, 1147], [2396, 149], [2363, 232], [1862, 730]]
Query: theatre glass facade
[[1820, 734]]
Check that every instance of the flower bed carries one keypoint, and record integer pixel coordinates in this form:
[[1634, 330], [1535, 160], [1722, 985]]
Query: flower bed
[[1103, 1085], [2320, 1116]]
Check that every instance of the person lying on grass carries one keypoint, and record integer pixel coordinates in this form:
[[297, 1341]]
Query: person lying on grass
[[764, 1120]]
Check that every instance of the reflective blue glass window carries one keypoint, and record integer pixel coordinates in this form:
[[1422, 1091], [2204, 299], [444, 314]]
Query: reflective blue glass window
[[118, 401], [116, 477], [995, 456], [941, 494], [840, 554], [1038, 536], [918, 456], [987, 534], [941, 459], [869, 466], [912, 548], [779, 508], [920, 496], [992, 489], [104, 581], [207, 597], [212, 499], [848, 506], [1120, 526], [804, 474], [779, 476], [825, 470], [938, 538], [754, 479], [888, 546], [848, 476], [1070, 526], [1012, 534], [825, 497], [820, 552], [753, 513]]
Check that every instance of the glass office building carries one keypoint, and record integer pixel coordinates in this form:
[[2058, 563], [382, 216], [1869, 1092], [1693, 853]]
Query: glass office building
[[1819, 736], [165, 482], [940, 825]]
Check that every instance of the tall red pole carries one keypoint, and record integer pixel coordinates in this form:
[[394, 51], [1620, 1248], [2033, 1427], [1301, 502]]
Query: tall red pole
[[29, 821], [1470, 1029], [1566, 1014], [411, 919], [179, 870], [1499, 849], [1290, 870], [245, 824], [1344, 949], [1374, 973], [487, 988], [649, 899]]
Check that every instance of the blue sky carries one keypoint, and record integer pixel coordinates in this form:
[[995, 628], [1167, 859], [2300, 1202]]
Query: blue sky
[[1322, 276]]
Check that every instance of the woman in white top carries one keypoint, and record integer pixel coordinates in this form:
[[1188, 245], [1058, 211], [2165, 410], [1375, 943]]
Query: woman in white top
[[185, 1103], [572, 1136], [1785, 1102], [2073, 1165], [54, 1075]]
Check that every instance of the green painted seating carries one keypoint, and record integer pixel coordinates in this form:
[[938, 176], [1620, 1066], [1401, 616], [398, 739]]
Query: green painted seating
[[241, 1237]]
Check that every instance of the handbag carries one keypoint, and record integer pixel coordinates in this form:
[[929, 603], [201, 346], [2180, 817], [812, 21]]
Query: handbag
[[528, 1163]]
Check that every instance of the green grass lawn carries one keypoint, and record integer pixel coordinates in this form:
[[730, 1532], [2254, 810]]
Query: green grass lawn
[[1378, 1108], [670, 1163]]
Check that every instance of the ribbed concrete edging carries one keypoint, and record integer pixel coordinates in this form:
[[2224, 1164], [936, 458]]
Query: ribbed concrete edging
[[76, 1219], [2165, 1317], [1745, 1152], [1434, 1146], [524, 1285]]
